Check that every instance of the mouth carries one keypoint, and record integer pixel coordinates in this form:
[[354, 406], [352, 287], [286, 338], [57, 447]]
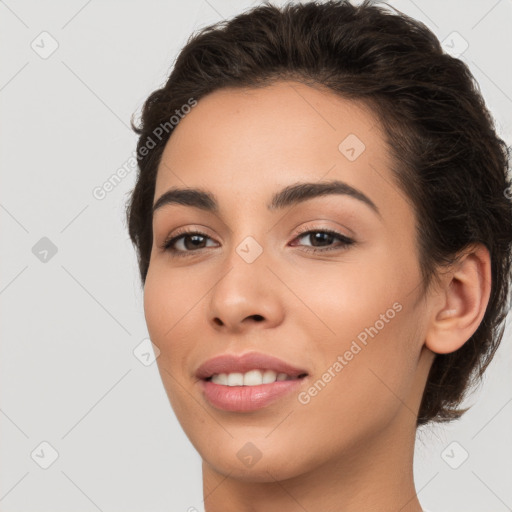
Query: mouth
[[247, 382]]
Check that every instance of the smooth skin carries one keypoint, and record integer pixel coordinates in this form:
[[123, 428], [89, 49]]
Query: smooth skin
[[350, 448]]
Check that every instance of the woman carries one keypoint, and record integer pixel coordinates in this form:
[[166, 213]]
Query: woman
[[323, 225]]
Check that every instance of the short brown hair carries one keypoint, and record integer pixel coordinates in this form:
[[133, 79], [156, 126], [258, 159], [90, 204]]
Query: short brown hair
[[448, 158]]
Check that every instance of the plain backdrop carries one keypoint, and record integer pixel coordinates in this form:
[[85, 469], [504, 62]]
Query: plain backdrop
[[85, 423]]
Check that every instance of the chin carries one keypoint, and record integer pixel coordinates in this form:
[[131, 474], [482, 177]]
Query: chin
[[269, 468]]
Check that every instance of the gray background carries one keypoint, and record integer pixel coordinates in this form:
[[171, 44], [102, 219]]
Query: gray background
[[71, 320]]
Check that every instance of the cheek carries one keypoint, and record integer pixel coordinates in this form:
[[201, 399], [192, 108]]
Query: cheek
[[166, 303], [345, 298], [157, 308], [366, 314], [383, 371], [168, 296]]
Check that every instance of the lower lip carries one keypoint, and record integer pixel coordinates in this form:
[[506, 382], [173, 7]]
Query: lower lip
[[247, 398]]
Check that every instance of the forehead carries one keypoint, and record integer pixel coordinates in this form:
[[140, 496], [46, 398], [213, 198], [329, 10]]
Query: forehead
[[246, 140]]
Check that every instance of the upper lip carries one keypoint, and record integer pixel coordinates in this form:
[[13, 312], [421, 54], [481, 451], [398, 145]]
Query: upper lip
[[231, 363]]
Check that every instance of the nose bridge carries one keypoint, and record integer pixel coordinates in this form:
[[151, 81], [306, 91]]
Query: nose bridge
[[246, 266], [249, 237], [245, 288]]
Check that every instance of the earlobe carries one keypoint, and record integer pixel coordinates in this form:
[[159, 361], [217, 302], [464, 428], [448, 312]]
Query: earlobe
[[460, 302]]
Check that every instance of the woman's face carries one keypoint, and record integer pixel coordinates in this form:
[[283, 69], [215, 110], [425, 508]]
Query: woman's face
[[350, 315]]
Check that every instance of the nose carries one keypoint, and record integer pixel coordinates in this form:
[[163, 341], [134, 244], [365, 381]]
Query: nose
[[247, 296]]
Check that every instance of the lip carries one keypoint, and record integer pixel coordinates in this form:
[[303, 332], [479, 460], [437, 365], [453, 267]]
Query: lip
[[247, 398], [230, 363]]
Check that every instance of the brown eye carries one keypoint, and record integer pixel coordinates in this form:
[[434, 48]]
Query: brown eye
[[322, 239], [188, 242]]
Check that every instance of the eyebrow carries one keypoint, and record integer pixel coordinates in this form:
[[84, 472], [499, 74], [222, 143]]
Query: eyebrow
[[288, 196]]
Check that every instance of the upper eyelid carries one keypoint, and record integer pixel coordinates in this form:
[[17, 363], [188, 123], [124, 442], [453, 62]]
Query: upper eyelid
[[191, 228], [302, 231]]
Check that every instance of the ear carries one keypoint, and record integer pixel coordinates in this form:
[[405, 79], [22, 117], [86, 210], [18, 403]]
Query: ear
[[460, 301]]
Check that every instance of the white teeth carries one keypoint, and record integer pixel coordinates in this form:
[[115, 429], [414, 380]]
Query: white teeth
[[220, 378], [250, 378], [269, 376], [253, 378], [235, 379]]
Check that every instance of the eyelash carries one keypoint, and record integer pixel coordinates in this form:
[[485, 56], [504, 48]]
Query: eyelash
[[345, 241]]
